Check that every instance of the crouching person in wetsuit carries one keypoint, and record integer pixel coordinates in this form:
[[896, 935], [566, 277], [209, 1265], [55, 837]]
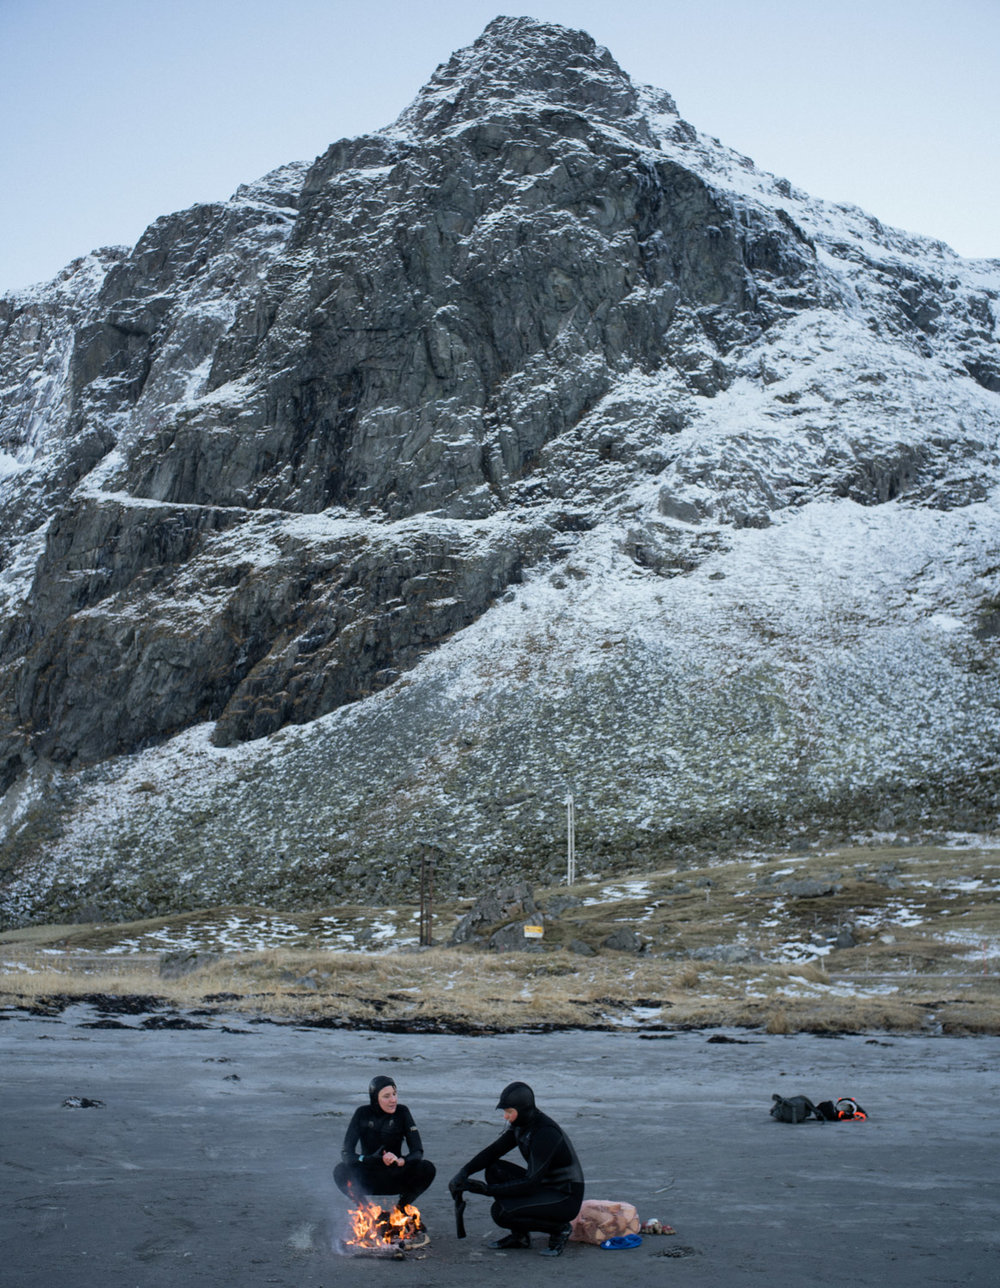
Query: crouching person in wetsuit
[[372, 1161], [547, 1194]]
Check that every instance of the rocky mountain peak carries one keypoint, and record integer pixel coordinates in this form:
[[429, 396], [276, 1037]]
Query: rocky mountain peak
[[521, 63], [536, 444]]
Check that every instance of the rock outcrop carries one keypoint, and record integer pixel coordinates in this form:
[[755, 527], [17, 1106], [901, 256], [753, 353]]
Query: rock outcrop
[[534, 344]]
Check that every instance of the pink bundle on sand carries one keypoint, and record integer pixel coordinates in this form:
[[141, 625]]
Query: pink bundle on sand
[[602, 1219]]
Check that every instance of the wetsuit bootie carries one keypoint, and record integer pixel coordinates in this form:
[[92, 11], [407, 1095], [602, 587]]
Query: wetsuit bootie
[[516, 1239], [557, 1242]]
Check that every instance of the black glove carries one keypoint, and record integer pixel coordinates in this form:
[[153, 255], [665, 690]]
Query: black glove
[[477, 1187], [458, 1184]]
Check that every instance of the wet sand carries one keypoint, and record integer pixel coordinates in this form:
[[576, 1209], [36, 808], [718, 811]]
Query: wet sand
[[209, 1160]]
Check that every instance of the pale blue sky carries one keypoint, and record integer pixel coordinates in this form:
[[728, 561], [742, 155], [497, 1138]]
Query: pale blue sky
[[117, 111]]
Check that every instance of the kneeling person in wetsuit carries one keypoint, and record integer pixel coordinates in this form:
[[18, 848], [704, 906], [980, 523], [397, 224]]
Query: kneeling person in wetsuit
[[379, 1129], [544, 1196]]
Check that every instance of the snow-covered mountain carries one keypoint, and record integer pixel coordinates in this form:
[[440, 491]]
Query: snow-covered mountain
[[536, 444]]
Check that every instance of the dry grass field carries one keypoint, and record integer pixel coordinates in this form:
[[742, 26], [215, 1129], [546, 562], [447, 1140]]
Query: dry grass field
[[903, 939]]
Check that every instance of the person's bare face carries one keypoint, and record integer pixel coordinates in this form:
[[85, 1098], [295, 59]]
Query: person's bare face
[[387, 1099], [510, 1115]]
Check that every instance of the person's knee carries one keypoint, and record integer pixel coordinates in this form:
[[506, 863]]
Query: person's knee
[[508, 1217], [416, 1178]]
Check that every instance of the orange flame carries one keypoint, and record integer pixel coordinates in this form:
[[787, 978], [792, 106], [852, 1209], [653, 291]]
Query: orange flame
[[371, 1227]]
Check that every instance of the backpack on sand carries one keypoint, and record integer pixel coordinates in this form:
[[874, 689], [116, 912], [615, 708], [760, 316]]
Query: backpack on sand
[[796, 1109]]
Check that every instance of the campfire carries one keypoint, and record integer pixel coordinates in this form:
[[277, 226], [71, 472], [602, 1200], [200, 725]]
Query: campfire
[[377, 1230]]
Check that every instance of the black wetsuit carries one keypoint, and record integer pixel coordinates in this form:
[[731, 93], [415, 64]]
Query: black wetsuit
[[545, 1195], [362, 1172]]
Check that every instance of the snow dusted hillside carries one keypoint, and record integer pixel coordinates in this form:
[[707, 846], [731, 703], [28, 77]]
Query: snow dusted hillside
[[537, 445]]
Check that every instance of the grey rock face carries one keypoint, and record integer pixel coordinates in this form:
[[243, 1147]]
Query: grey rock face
[[624, 941], [519, 60], [381, 334], [261, 467], [512, 939], [46, 452], [503, 904]]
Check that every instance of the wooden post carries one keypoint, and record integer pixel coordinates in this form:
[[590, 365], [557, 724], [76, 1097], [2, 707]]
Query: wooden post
[[426, 901]]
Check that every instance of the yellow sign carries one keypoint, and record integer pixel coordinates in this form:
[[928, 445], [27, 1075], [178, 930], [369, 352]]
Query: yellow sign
[[533, 932]]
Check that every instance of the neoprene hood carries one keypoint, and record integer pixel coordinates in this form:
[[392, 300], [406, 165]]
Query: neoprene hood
[[517, 1095], [375, 1086]]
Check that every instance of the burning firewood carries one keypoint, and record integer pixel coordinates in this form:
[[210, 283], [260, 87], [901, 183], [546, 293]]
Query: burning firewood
[[378, 1231]]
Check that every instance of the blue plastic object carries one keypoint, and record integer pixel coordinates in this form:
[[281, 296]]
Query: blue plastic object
[[622, 1241]]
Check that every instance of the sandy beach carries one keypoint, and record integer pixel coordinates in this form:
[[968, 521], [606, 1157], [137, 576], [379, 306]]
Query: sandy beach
[[207, 1160]]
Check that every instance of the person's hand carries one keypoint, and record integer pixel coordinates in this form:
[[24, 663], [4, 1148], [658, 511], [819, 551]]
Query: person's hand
[[389, 1159], [457, 1184], [477, 1187]]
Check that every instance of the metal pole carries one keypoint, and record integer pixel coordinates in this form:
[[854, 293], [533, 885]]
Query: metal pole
[[430, 902], [423, 901], [570, 841]]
